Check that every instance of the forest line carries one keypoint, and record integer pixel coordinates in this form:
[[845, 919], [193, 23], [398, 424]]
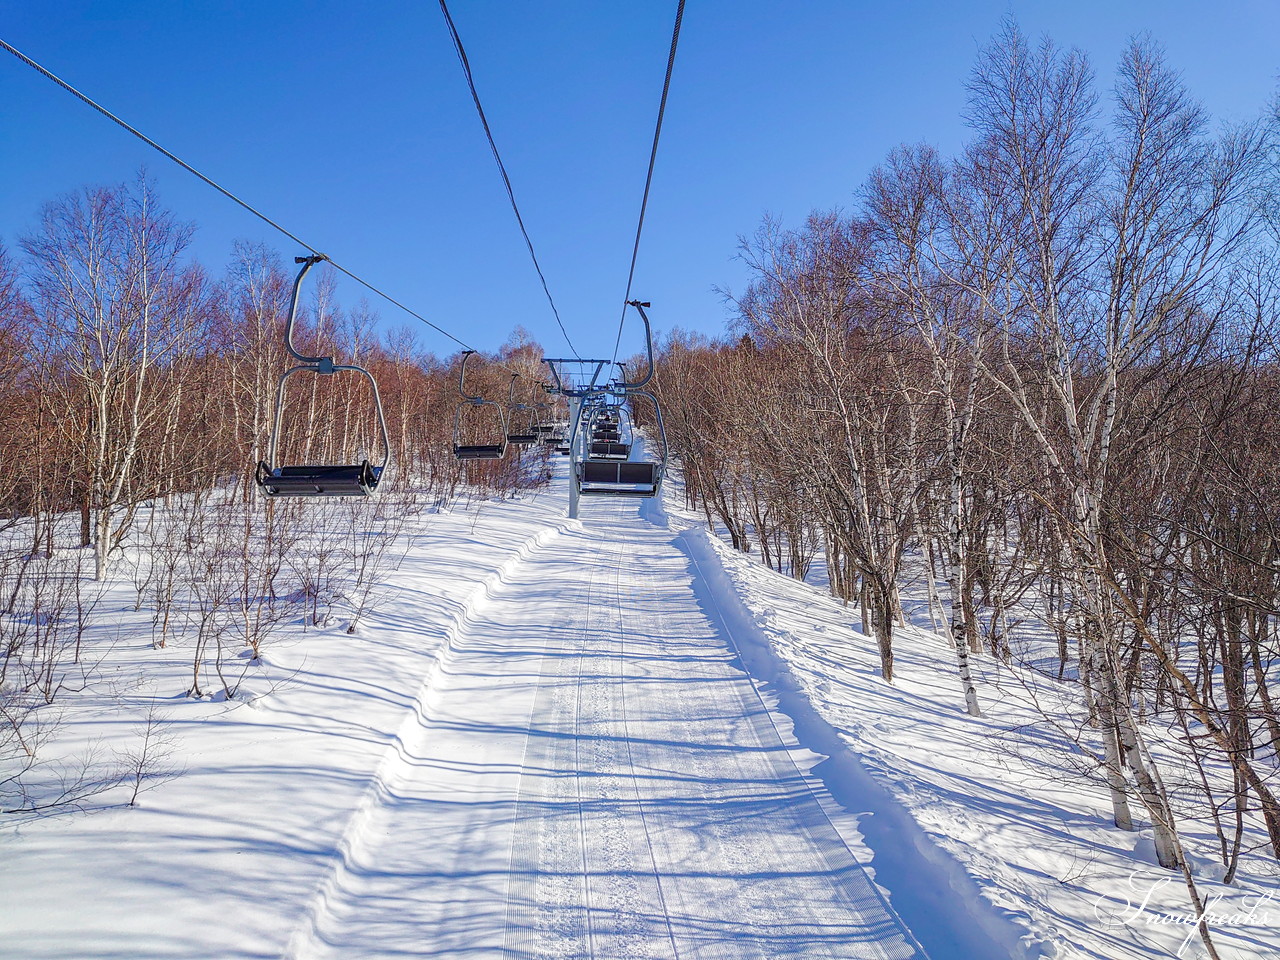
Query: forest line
[[1046, 369]]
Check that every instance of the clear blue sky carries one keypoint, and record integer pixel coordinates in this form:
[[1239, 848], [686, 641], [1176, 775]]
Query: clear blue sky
[[350, 123]]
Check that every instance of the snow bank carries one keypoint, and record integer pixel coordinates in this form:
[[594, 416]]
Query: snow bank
[[928, 888], [982, 824]]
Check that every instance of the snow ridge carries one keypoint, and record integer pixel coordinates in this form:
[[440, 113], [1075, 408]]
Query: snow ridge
[[948, 916]]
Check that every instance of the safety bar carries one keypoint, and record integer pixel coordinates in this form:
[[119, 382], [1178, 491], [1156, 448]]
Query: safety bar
[[331, 368], [478, 402], [662, 430]]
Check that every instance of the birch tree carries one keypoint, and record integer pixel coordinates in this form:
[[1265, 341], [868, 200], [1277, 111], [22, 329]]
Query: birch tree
[[1117, 241], [115, 304], [907, 203]]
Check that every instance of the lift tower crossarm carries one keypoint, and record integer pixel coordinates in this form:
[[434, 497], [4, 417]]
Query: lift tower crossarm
[[567, 390]]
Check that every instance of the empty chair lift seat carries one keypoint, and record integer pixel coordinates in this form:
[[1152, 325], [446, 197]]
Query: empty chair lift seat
[[610, 450], [619, 478], [479, 451], [318, 480], [359, 480]]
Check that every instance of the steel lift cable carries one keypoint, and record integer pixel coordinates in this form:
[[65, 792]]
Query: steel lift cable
[[648, 180], [225, 192], [502, 169]]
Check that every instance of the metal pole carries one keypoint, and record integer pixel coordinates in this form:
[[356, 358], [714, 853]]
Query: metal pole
[[575, 407]]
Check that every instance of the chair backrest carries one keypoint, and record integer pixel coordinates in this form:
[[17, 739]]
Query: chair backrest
[[619, 471]]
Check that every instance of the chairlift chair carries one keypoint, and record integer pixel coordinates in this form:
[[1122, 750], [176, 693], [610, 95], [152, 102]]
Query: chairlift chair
[[553, 432], [606, 440], [477, 451], [318, 480], [605, 427], [529, 432], [599, 476], [619, 478], [614, 476], [609, 450], [550, 427]]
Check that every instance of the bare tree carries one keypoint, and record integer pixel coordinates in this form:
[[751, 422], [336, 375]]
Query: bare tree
[[114, 303]]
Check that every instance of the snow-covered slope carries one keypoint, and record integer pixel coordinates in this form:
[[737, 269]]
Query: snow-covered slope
[[989, 817], [611, 738]]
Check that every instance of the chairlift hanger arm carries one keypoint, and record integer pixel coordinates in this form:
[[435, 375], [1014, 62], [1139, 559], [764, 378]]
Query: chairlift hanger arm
[[462, 375], [648, 345], [511, 395], [321, 364]]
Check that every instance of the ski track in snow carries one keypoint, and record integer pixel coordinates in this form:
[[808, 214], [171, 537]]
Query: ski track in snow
[[589, 773], [389, 849]]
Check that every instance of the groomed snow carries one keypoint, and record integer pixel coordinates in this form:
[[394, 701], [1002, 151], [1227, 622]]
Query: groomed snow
[[612, 738], [543, 746]]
